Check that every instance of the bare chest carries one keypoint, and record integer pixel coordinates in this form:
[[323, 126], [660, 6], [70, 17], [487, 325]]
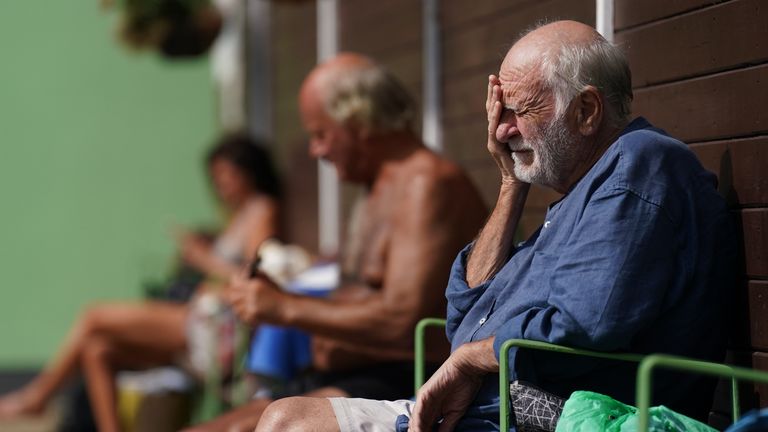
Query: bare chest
[[369, 238]]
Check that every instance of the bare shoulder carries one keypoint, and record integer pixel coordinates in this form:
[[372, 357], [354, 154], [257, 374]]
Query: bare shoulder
[[432, 170], [428, 179], [260, 212], [257, 207]]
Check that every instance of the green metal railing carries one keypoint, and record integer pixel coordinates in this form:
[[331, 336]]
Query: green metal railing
[[647, 364], [543, 346], [421, 327], [653, 361], [212, 402]]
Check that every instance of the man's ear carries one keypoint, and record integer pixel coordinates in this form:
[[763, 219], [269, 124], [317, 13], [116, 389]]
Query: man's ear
[[589, 111]]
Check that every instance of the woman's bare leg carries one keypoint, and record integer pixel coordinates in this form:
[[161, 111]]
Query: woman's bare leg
[[157, 329], [98, 355], [129, 337], [32, 398]]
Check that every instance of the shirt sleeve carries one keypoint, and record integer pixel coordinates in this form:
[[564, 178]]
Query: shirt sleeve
[[460, 297], [608, 282]]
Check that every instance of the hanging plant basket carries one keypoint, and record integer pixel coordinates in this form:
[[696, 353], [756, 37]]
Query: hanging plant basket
[[174, 28]]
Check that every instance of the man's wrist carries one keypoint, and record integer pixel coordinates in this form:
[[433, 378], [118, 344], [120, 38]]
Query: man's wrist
[[508, 181], [283, 311], [478, 358]]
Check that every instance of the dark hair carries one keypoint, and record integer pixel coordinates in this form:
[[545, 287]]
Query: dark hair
[[252, 158]]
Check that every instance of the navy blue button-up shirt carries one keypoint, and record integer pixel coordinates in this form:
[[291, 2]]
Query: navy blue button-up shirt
[[636, 257]]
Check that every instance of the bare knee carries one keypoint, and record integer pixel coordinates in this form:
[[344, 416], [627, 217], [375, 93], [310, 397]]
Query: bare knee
[[96, 350], [298, 414], [94, 318]]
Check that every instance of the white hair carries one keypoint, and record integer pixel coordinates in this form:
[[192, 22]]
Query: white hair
[[570, 69], [368, 96]]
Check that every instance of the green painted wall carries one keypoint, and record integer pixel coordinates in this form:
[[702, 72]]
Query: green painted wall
[[100, 153]]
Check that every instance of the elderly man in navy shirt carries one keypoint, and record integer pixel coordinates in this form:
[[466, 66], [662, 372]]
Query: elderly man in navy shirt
[[637, 256]]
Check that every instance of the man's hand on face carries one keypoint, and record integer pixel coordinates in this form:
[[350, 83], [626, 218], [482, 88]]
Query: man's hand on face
[[453, 387], [499, 151], [254, 300]]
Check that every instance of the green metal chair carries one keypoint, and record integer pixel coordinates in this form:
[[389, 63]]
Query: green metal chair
[[211, 402], [647, 364], [655, 361]]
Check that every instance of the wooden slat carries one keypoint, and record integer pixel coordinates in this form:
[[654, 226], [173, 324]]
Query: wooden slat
[[749, 393], [758, 312], [720, 412], [632, 12], [478, 48], [406, 66], [368, 11], [541, 197], [466, 141], [754, 231], [760, 362], [293, 57], [285, 15], [294, 32], [740, 166], [530, 221], [289, 74], [706, 41], [714, 107], [487, 180], [456, 13], [487, 41], [301, 208], [392, 30], [294, 36], [710, 107], [739, 331], [464, 98]]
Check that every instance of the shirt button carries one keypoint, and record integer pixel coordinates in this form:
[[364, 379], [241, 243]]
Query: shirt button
[[482, 321]]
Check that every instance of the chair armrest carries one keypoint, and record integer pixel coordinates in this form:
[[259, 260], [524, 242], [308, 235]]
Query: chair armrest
[[645, 370], [649, 363], [543, 346], [419, 361]]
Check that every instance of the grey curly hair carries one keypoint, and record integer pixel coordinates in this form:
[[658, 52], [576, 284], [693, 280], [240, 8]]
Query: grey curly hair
[[368, 96]]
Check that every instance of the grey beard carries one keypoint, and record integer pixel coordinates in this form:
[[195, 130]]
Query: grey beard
[[555, 150]]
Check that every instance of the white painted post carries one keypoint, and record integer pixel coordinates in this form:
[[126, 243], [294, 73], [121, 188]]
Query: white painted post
[[258, 66], [432, 109], [604, 18], [329, 220]]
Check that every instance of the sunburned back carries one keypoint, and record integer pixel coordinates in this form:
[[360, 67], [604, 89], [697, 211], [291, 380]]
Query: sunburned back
[[451, 195], [419, 212]]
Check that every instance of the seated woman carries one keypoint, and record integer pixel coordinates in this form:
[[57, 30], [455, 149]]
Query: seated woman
[[111, 337]]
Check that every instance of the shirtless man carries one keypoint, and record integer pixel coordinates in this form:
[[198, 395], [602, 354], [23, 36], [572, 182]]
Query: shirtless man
[[419, 210]]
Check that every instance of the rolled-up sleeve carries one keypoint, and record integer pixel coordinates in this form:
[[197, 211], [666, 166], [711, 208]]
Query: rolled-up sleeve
[[460, 297]]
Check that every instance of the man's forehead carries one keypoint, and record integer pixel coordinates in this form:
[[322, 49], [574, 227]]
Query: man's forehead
[[523, 60], [516, 78]]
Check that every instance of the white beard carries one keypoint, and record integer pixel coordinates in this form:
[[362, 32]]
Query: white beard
[[554, 150]]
